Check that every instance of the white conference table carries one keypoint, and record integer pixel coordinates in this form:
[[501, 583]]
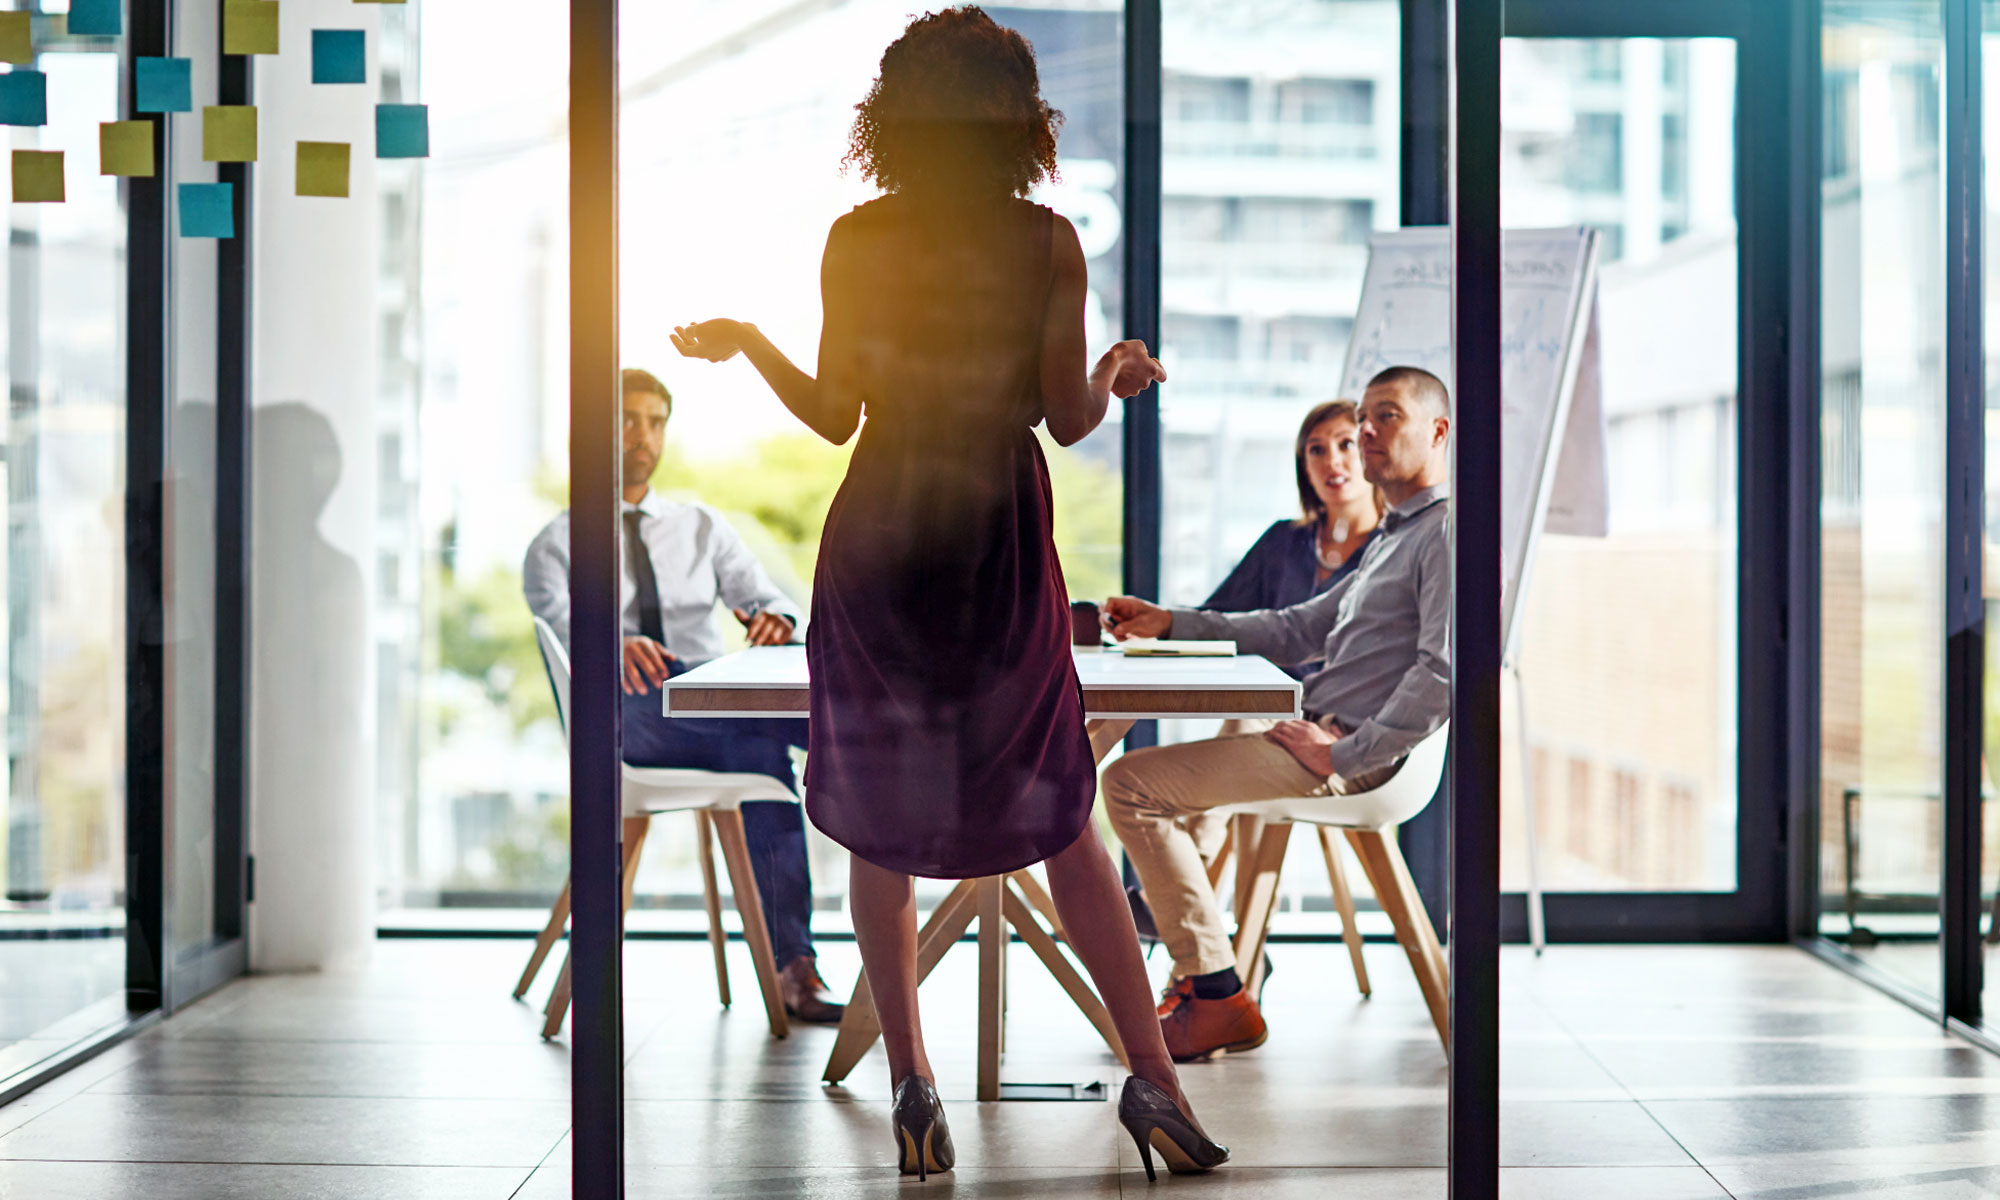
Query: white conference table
[[1117, 691]]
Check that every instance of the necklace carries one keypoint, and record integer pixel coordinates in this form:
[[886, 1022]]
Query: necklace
[[1330, 561]]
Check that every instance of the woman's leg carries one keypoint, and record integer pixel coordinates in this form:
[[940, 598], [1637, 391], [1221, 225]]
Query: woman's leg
[[1098, 925], [885, 928]]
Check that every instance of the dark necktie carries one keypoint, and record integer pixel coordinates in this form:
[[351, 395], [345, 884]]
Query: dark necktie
[[648, 586]]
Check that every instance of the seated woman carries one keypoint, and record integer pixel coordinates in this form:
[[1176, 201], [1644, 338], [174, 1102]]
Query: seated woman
[[1291, 563]]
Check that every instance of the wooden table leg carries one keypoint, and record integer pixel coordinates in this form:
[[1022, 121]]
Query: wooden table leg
[[992, 951], [1106, 734], [1051, 955]]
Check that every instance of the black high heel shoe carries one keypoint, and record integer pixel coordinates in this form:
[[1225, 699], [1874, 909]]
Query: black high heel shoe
[[923, 1140], [1157, 1123]]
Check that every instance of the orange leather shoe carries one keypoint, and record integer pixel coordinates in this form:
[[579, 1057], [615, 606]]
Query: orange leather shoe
[[1175, 992], [1198, 1029]]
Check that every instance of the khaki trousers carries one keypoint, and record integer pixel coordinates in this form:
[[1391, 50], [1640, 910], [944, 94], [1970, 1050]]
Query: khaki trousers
[[1160, 799]]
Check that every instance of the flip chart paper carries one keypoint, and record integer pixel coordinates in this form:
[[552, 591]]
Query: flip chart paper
[[340, 56], [38, 176], [103, 18], [250, 26], [126, 148], [322, 169], [165, 85], [17, 45], [24, 98], [402, 131], [229, 133], [208, 210]]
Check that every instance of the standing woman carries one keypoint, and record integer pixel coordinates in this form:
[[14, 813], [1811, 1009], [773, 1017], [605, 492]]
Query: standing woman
[[947, 734]]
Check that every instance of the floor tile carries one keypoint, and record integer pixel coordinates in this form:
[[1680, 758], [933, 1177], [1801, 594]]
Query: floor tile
[[1805, 1178], [842, 1183], [288, 1129], [234, 1181], [1935, 1131], [529, 1070], [1606, 1183]]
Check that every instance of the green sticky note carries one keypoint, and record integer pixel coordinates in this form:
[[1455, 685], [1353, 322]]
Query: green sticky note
[[38, 176], [229, 133], [16, 46], [322, 169], [250, 26], [126, 148]]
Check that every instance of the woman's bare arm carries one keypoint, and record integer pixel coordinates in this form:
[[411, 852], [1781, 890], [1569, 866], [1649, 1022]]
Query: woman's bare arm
[[1074, 403], [830, 405]]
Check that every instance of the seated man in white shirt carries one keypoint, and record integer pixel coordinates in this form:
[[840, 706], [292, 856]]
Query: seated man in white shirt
[[679, 560]]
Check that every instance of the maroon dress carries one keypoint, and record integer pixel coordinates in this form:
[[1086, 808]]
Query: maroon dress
[[947, 723]]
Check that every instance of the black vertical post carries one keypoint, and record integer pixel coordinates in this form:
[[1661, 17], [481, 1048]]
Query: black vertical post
[[147, 243], [1799, 624], [1142, 292], [1473, 1153], [232, 525], [597, 1088], [1426, 200], [1965, 489]]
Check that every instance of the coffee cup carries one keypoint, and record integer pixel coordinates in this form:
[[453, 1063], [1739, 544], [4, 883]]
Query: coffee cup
[[1084, 627]]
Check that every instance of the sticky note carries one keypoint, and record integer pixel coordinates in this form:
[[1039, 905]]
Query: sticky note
[[250, 26], [38, 176], [208, 210], [24, 98], [104, 18], [340, 56], [125, 148], [322, 169], [229, 133], [402, 131], [165, 85], [17, 45]]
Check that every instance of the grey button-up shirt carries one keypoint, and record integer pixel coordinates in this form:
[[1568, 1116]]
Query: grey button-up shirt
[[1385, 632], [697, 559]]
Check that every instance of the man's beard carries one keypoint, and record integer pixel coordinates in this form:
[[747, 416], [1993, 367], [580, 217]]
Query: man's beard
[[636, 471]]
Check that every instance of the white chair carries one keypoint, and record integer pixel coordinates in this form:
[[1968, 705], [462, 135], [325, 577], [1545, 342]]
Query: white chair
[[1369, 820], [713, 797]]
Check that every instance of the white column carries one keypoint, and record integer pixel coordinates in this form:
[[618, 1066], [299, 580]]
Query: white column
[[313, 513]]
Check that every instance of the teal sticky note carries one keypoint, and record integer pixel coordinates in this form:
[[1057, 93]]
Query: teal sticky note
[[104, 18], [165, 85], [24, 98], [208, 210], [402, 131], [340, 56]]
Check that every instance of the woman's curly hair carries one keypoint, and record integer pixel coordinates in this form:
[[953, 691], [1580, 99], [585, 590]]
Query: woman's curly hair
[[958, 106]]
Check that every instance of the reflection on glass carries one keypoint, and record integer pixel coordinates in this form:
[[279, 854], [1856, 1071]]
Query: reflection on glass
[[1632, 739], [1990, 833], [726, 214], [62, 918], [1882, 453]]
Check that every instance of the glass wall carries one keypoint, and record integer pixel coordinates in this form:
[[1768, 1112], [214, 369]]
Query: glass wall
[[722, 216], [1631, 741], [1882, 455], [62, 640]]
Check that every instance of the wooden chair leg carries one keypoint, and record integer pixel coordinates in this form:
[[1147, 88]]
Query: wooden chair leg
[[1343, 900], [711, 898], [1254, 919], [743, 882], [1245, 831], [545, 941], [1221, 860], [859, 1027], [1037, 896], [1383, 862], [558, 1005]]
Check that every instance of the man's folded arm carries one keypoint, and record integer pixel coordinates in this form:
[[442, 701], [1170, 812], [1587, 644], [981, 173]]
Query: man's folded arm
[[545, 579], [1286, 636], [1422, 699]]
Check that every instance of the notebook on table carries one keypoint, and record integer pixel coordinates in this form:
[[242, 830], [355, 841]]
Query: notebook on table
[[1157, 648]]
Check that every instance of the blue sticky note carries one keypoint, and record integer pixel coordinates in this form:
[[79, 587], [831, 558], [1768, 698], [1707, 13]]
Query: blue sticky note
[[24, 98], [103, 17], [165, 85], [340, 56], [402, 131], [208, 210]]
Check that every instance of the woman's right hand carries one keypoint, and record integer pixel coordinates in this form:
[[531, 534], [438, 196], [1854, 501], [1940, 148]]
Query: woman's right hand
[[1130, 617], [716, 341], [1132, 369]]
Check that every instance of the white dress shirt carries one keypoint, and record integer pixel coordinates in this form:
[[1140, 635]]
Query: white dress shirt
[[697, 560]]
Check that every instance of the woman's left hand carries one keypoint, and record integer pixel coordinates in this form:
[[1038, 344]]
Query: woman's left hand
[[717, 340], [1308, 743]]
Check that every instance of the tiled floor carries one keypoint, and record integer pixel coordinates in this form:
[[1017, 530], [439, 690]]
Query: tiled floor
[[1629, 1074]]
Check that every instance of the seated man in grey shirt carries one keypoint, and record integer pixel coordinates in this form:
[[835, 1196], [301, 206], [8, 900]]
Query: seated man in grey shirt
[[679, 560], [1384, 632]]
